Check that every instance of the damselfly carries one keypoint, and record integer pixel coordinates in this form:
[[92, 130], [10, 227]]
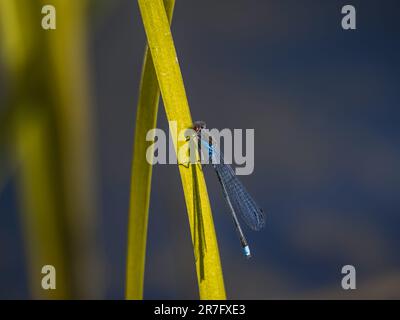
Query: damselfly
[[238, 199]]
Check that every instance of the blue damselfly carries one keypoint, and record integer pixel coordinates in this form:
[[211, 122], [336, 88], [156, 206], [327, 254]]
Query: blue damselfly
[[238, 199]]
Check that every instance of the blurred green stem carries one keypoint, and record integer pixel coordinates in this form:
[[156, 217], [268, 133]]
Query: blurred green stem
[[48, 96]]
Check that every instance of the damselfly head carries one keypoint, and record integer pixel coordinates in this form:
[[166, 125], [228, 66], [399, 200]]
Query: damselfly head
[[199, 125]]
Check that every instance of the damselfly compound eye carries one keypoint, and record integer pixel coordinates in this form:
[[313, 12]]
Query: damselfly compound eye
[[199, 125]]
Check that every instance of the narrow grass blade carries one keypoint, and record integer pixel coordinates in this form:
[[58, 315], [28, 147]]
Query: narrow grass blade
[[146, 119], [208, 265]]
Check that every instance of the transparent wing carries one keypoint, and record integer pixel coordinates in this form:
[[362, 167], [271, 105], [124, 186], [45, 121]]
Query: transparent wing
[[241, 201]]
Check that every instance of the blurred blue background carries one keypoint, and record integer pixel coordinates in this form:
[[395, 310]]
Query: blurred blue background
[[324, 103]]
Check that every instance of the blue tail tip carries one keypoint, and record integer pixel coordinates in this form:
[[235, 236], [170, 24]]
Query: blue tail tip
[[246, 251]]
